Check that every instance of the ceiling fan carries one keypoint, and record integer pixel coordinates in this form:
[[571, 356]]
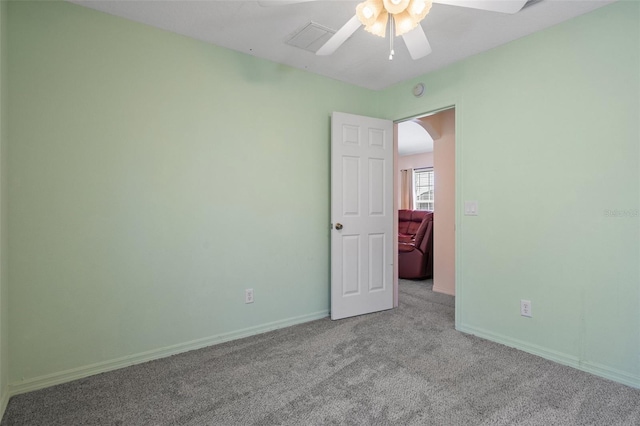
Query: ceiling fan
[[402, 17]]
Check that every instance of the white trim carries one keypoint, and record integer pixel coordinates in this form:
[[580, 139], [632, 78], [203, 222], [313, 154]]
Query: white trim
[[102, 367], [459, 201], [561, 358]]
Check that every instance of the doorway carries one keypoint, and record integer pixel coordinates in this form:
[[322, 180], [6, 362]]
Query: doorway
[[427, 142]]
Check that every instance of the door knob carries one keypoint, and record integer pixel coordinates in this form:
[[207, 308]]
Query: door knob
[[338, 226]]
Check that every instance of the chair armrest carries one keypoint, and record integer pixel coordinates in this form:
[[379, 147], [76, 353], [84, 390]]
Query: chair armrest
[[405, 239], [406, 247], [426, 241]]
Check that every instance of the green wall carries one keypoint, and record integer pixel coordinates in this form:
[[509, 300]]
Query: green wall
[[4, 258], [548, 144], [153, 179]]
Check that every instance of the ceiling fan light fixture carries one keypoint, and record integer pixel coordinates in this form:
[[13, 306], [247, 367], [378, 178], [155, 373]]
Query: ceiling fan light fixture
[[418, 9], [404, 23], [368, 11], [407, 14], [379, 27], [395, 6]]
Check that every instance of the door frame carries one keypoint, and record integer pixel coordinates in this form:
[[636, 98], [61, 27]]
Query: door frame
[[431, 107]]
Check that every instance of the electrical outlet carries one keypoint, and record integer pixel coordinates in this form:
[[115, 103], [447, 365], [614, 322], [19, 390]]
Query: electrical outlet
[[248, 295], [525, 308]]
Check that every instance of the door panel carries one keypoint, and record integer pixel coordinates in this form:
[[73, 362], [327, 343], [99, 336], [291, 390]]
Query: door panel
[[362, 207]]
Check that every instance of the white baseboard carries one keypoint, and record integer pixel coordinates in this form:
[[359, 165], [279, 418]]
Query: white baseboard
[[102, 367], [559, 357]]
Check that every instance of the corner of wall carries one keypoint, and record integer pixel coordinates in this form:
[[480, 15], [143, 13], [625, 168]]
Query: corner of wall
[[4, 305], [4, 401]]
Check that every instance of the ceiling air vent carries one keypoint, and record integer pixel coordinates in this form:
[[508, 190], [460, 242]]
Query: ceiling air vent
[[310, 37]]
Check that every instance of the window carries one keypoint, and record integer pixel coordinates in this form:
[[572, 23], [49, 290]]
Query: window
[[423, 189]]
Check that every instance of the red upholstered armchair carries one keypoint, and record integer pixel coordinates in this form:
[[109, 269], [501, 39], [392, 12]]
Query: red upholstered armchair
[[415, 244]]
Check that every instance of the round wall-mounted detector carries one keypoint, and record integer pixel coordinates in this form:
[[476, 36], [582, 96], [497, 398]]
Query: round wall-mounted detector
[[418, 90]]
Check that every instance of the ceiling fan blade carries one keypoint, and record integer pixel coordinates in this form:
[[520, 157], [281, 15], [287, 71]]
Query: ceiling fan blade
[[417, 43], [340, 37], [504, 6], [267, 3]]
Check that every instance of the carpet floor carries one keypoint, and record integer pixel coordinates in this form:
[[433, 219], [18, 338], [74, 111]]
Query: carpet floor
[[406, 366]]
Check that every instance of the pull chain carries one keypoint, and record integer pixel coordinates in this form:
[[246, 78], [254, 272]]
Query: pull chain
[[391, 52]]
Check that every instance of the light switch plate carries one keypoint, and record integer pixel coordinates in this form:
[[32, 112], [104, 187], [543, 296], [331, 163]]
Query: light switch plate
[[471, 208]]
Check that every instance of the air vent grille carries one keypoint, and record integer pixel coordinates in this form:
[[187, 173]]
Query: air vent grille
[[310, 37]]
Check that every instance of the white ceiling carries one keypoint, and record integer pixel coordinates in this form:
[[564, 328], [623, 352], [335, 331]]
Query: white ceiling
[[454, 32], [413, 139]]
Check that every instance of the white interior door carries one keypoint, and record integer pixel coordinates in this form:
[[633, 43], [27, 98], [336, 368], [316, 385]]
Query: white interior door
[[361, 215]]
